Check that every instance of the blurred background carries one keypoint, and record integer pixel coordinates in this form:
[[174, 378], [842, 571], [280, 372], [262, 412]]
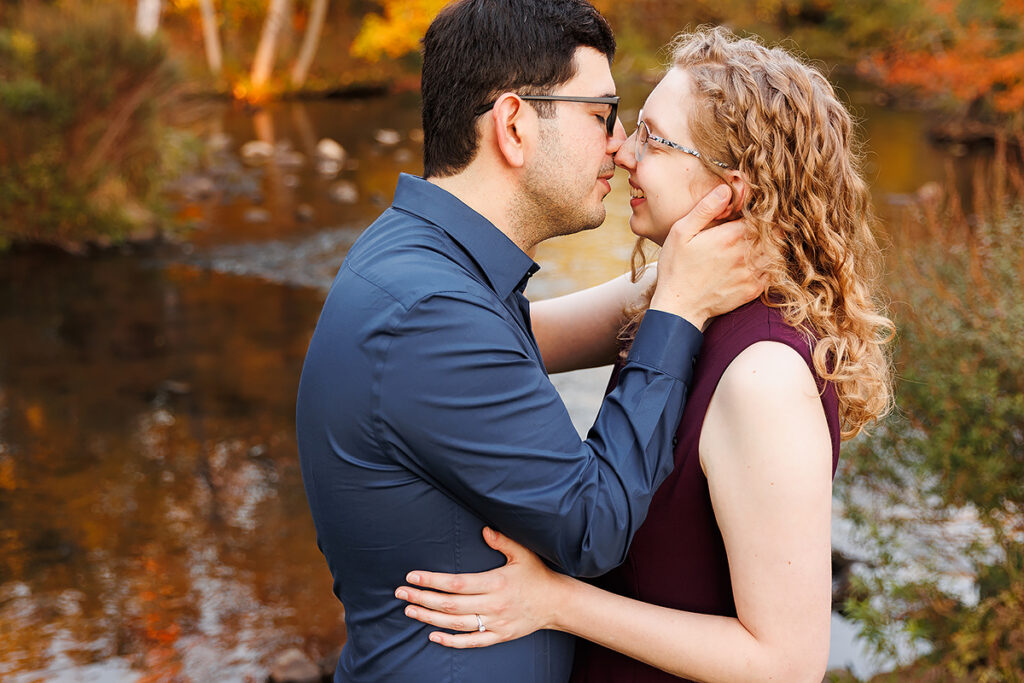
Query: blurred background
[[179, 181]]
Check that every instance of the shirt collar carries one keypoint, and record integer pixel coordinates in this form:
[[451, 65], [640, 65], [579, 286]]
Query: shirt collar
[[505, 265]]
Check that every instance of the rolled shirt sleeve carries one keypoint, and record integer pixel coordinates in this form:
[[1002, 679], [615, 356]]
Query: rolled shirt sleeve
[[463, 405]]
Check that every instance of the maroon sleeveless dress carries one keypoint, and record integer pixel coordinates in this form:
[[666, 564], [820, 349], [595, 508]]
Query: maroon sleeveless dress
[[677, 558]]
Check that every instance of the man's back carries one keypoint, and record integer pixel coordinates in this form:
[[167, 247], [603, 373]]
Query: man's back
[[376, 517], [424, 411]]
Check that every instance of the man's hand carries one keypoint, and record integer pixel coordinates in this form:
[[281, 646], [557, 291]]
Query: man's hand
[[704, 272]]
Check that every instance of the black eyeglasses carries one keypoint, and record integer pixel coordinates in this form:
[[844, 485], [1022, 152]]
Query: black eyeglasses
[[609, 121]]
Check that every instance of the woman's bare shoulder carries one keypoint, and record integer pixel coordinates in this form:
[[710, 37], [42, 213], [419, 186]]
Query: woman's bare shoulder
[[767, 394], [766, 370]]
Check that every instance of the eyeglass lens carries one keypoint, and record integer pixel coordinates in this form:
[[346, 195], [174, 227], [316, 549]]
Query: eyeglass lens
[[612, 117], [642, 135]]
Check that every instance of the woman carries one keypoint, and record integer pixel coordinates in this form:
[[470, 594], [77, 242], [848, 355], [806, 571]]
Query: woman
[[729, 577]]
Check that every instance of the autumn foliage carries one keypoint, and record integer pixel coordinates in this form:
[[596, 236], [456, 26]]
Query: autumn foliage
[[398, 30], [967, 51]]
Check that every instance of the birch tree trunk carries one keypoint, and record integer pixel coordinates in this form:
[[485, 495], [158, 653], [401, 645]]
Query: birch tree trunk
[[211, 36], [147, 17], [310, 42], [263, 64]]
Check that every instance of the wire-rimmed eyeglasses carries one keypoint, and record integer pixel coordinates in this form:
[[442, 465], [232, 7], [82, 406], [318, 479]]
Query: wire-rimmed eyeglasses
[[644, 135], [611, 100]]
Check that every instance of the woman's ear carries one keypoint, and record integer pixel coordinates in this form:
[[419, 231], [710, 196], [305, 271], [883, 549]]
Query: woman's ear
[[740, 193], [511, 119]]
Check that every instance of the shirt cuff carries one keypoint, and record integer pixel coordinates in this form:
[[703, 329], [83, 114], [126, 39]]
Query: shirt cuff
[[667, 343]]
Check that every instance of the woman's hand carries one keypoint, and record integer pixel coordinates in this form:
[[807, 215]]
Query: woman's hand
[[511, 601]]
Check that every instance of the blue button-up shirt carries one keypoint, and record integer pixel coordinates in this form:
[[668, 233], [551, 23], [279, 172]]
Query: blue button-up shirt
[[424, 413]]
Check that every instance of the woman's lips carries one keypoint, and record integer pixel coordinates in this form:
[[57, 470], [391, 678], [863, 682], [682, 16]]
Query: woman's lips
[[637, 195]]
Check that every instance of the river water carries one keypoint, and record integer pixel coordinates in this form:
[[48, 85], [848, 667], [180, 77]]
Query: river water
[[154, 523]]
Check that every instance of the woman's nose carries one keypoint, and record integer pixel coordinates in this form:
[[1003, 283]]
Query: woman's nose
[[624, 157]]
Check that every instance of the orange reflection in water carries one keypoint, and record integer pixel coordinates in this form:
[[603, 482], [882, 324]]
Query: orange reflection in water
[[149, 484]]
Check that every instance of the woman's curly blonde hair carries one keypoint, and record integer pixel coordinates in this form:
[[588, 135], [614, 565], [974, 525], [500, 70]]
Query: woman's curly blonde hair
[[778, 122]]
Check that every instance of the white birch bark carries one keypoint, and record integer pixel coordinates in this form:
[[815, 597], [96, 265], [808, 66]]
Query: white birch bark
[[310, 42], [147, 17], [263, 65], [211, 36]]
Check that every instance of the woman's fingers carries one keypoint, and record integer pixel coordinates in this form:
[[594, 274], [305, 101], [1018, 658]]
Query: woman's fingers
[[441, 602], [465, 640], [463, 584], [454, 622]]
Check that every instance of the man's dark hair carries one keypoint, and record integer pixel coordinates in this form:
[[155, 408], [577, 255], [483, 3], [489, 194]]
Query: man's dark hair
[[477, 49]]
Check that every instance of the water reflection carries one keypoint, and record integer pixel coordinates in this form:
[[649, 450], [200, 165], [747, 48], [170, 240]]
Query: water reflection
[[154, 521], [226, 194], [150, 491]]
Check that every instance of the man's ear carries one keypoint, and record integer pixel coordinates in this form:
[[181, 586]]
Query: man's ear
[[514, 122], [740, 194]]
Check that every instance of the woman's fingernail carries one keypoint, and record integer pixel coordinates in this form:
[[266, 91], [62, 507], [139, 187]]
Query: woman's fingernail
[[434, 637], [410, 612], [413, 577], [401, 594], [722, 192]]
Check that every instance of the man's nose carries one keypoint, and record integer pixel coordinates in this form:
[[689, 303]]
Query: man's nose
[[617, 137]]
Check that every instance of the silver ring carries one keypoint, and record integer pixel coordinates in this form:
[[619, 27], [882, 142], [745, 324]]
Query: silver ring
[[480, 624]]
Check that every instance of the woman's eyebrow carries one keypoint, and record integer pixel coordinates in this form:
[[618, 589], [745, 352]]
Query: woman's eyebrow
[[652, 123]]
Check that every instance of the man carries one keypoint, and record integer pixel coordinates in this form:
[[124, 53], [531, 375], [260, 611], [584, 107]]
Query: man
[[424, 409]]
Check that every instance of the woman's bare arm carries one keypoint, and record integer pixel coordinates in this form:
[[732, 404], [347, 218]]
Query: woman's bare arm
[[580, 330], [766, 449], [767, 452]]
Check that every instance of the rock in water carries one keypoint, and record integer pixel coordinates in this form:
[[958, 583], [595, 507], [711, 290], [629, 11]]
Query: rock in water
[[327, 167], [218, 142], [290, 159], [256, 215], [256, 152], [386, 136], [344, 192], [293, 666], [330, 149]]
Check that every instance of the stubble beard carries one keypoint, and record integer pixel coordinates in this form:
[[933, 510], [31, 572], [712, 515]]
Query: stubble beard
[[550, 203]]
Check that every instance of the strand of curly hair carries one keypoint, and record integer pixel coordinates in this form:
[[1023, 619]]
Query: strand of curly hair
[[779, 123]]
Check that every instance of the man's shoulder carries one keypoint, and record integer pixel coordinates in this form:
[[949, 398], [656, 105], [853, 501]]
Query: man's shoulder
[[407, 258]]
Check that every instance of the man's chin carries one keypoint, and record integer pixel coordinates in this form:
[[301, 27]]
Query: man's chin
[[597, 220]]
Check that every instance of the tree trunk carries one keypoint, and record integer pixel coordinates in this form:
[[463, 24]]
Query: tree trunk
[[263, 64], [310, 41], [211, 36], [147, 17]]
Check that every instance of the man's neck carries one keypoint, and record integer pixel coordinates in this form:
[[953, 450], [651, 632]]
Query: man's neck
[[490, 196]]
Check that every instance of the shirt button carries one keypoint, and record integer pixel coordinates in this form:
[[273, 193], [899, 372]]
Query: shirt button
[[675, 441]]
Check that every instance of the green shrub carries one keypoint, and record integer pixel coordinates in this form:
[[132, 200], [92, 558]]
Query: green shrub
[[79, 104], [937, 493]]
